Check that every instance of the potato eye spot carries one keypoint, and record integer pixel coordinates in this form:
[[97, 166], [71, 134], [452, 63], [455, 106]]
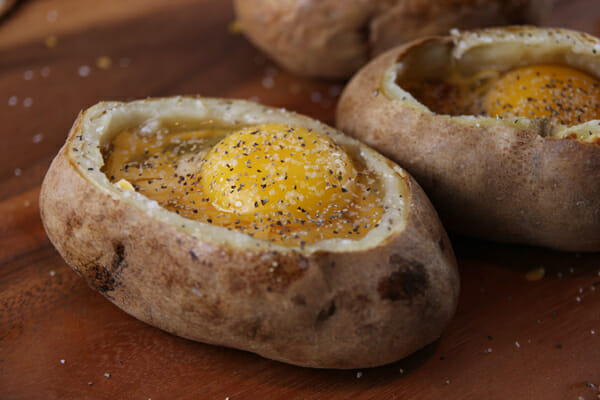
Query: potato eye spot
[[545, 91], [279, 172]]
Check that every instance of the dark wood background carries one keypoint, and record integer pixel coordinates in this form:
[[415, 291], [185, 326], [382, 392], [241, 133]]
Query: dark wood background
[[511, 339]]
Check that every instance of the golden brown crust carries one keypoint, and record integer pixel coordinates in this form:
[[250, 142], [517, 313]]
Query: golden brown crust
[[495, 180], [332, 39], [323, 309]]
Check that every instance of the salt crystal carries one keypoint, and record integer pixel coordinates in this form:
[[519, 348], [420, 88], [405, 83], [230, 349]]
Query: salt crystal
[[83, 71], [37, 138], [359, 375], [52, 273], [106, 375], [593, 332], [18, 171], [62, 361], [28, 75], [51, 15], [13, 100], [268, 82], [27, 102], [578, 299], [124, 62], [518, 345], [489, 350], [45, 71], [316, 97]]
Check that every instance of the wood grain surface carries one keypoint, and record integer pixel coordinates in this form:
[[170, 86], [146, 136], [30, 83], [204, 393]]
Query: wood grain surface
[[511, 338]]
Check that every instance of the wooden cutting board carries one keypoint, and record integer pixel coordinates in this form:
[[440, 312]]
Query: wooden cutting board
[[512, 338]]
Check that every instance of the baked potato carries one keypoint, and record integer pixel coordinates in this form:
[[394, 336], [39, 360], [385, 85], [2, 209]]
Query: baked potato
[[333, 39], [499, 126], [159, 204]]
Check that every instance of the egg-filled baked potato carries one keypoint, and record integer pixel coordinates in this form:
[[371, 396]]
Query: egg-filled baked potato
[[236, 224], [333, 39], [499, 126]]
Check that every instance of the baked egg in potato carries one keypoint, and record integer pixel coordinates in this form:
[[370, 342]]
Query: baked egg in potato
[[333, 38], [236, 224], [500, 126]]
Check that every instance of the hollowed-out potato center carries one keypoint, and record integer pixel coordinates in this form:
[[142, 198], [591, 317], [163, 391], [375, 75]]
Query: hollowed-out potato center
[[505, 79], [285, 184]]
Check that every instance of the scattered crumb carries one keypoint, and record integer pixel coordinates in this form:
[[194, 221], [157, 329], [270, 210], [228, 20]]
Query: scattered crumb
[[12, 101], [104, 62], [37, 138], [447, 381], [27, 102], [18, 172], [84, 71], [535, 274], [52, 273], [107, 375], [28, 75], [359, 375], [51, 41], [90, 383], [401, 371], [236, 27]]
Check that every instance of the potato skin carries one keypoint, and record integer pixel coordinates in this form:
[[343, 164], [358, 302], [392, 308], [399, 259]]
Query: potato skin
[[326, 309], [495, 182], [333, 39]]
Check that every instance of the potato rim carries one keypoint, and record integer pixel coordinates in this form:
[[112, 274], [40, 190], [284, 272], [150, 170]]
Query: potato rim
[[99, 123], [575, 49]]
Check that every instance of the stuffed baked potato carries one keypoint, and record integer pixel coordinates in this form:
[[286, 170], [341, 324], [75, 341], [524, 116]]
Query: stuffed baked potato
[[160, 205], [333, 39], [499, 126]]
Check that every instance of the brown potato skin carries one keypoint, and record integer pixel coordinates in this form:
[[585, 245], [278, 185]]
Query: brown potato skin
[[333, 38], [328, 310], [494, 182]]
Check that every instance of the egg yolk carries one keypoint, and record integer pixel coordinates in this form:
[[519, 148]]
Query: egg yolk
[[279, 172], [285, 184], [545, 91]]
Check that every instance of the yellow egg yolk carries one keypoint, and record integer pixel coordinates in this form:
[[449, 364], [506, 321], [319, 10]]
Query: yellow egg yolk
[[545, 91], [285, 184], [279, 172]]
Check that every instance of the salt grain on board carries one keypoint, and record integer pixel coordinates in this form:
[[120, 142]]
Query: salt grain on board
[[12, 101], [37, 138], [83, 71], [27, 102]]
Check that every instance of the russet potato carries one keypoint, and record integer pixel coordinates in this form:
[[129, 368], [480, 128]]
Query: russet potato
[[342, 302], [500, 127]]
